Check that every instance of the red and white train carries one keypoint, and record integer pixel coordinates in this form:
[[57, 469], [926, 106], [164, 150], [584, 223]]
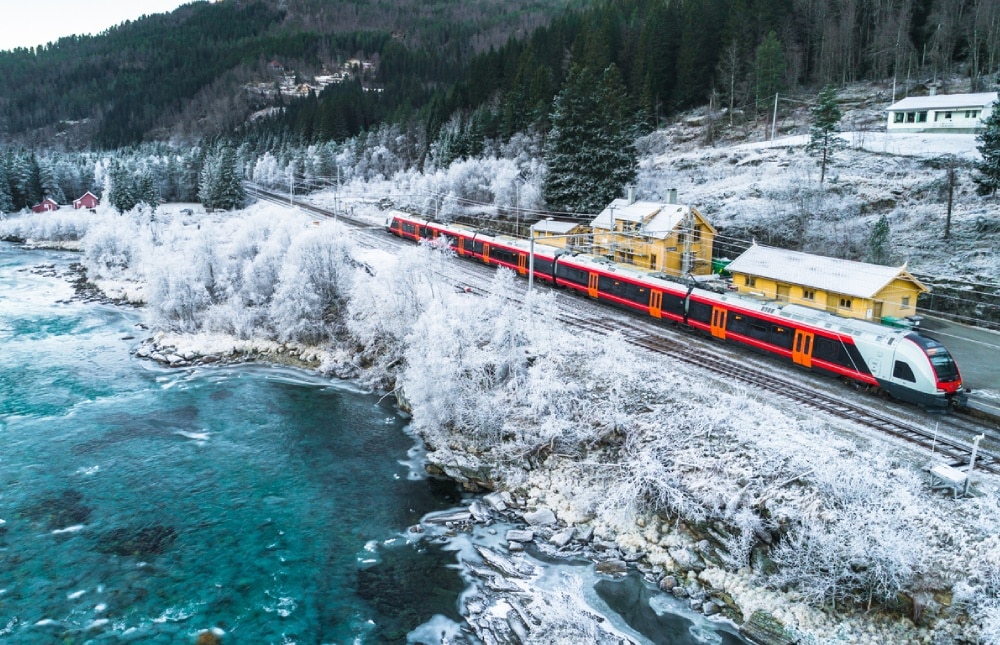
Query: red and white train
[[904, 364]]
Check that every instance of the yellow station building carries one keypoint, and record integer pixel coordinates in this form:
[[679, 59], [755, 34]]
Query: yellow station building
[[853, 289]]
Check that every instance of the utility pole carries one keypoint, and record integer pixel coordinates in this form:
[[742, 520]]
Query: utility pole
[[774, 117], [951, 196], [611, 233]]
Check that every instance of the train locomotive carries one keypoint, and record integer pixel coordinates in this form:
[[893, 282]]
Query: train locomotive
[[900, 363]]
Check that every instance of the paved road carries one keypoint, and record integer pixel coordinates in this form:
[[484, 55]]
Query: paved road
[[977, 352]]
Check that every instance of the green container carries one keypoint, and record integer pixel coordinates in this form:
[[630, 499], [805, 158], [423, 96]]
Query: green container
[[719, 265]]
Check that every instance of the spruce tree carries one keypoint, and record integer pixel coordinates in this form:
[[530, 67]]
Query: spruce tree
[[6, 198], [769, 68], [590, 150], [822, 133], [878, 243], [231, 192], [988, 178]]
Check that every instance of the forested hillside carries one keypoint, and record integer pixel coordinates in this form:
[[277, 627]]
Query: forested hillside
[[181, 75]]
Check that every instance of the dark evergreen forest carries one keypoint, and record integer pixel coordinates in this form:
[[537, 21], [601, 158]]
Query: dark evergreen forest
[[452, 78]]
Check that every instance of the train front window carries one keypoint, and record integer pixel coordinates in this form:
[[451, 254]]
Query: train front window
[[944, 366]]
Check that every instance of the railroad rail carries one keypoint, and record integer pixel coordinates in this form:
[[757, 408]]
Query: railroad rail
[[956, 450]]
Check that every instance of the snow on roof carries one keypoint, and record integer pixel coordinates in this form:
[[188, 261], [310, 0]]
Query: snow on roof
[[858, 279], [553, 226], [953, 101], [660, 219]]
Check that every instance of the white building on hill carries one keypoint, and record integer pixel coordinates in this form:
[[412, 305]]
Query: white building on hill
[[941, 113]]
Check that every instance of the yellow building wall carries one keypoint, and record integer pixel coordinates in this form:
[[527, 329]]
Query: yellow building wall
[[668, 251], [892, 296], [835, 303]]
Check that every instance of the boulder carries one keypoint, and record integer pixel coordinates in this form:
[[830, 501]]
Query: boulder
[[563, 537], [612, 567], [585, 534], [710, 608], [764, 628], [520, 535], [667, 583], [541, 517]]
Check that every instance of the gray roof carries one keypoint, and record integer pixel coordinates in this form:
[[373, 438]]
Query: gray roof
[[665, 217], [858, 279], [553, 226], [944, 102]]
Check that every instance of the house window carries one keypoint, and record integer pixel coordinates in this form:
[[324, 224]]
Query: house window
[[808, 294], [947, 116], [751, 281], [906, 302], [911, 117], [652, 260], [972, 114], [845, 303], [897, 117], [922, 117], [697, 233]]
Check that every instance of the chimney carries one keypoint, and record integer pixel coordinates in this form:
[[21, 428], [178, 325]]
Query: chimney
[[631, 195], [672, 196], [932, 90]]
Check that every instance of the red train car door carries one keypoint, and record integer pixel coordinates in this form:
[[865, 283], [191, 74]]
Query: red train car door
[[719, 322], [802, 348], [656, 304], [592, 285], [486, 253], [522, 263]]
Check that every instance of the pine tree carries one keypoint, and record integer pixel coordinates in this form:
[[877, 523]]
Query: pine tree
[[590, 151], [6, 198], [822, 133], [123, 190], [769, 68], [878, 243], [231, 191], [988, 178]]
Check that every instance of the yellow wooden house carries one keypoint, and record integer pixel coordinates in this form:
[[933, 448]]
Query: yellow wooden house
[[853, 289], [668, 237]]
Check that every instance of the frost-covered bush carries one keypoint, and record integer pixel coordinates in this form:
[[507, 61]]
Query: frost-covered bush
[[313, 285], [113, 246], [53, 226], [862, 542]]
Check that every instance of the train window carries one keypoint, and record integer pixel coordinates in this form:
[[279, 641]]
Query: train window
[[700, 312], [737, 324], [903, 371], [758, 331], [673, 303], [781, 336], [409, 228]]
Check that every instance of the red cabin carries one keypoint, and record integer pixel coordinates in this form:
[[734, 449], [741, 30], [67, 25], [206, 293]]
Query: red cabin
[[88, 200], [48, 204]]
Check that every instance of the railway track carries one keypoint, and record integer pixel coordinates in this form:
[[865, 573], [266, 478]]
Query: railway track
[[951, 448], [661, 340]]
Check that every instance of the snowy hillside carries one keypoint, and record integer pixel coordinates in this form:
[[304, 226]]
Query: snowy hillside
[[770, 191]]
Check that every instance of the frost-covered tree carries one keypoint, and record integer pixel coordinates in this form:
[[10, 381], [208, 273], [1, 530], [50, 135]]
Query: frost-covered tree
[[221, 182], [988, 178], [122, 194], [590, 151], [823, 139]]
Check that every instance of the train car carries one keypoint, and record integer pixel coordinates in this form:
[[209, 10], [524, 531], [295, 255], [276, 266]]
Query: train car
[[494, 250], [901, 363]]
